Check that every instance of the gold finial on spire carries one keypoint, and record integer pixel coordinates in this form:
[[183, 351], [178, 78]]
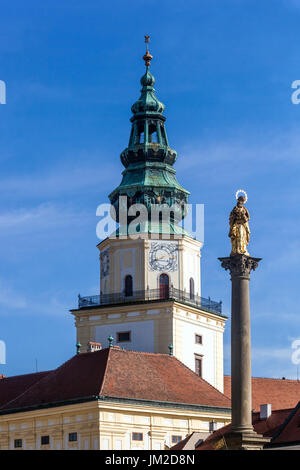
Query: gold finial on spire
[[147, 57]]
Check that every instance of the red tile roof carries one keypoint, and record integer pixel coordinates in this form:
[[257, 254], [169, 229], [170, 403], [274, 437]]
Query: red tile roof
[[119, 373], [290, 431], [267, 427], [280, 393], [79, 377], [180, 445], [190, 441], [11, 387], [212, 441], [157, 377]]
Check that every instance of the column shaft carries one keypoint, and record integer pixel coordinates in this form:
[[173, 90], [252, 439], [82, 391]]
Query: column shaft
[[240, 355], [240, 267]]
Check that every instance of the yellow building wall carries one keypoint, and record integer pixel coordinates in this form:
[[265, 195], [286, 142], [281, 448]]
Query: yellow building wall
[[104, 425]]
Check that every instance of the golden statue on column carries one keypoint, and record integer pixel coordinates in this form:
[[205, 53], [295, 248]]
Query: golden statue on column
[[239, 231]]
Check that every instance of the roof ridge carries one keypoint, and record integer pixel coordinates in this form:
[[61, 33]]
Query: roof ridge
[[138, 352], [25, 375], [200, 378], [26, 390], [285, 422], [75, 356], [106, 368], [279, 410], [277, 378], [270, 378]]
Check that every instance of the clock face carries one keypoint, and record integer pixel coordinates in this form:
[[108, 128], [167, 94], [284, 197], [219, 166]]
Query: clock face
[[163, 257], [104, 263]]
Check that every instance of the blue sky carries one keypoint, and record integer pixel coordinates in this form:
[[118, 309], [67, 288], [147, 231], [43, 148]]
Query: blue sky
[[224, 70]]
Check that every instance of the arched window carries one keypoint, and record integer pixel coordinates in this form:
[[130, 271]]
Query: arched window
[[192, 288], [128, 286], [164, 286], [141, 137], [153, 137]]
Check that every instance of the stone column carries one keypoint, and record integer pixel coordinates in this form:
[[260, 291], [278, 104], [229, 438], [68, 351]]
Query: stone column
[[240, 267], [241, 435]]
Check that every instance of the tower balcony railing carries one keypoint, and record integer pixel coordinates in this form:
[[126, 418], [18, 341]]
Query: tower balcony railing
[[152, 294]]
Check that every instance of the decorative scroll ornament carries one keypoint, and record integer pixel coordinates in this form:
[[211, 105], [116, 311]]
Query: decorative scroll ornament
[[239, 231], [240, 266]]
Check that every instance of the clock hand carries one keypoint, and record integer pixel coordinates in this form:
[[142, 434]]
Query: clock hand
[[161, 257]]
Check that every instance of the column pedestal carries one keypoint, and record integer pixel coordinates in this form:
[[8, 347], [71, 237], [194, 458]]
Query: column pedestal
[[245, 441], [241, 435]]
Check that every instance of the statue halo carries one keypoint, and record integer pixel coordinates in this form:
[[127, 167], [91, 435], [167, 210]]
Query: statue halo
[[243, 192]]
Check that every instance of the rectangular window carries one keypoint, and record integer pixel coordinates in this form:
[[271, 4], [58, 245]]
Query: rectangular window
[[212, 426], [124, 336], [18, 443], [198, 339], [45, 440], [137, 436], [176, 439], [198, 365], [72, 436]]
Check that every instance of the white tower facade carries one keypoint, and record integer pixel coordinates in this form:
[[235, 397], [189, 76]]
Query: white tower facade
[[150, 301]]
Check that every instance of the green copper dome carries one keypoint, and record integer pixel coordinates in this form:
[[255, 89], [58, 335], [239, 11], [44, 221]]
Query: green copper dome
[[147, 103], [147, 79]]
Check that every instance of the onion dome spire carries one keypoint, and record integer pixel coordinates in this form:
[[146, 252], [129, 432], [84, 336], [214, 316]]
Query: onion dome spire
[[147, 103], [149, 177]]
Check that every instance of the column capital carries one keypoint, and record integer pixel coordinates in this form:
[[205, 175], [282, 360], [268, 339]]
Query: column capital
[[239, 265]]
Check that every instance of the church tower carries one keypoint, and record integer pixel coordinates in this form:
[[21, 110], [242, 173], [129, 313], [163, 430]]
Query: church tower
[[150, 285]]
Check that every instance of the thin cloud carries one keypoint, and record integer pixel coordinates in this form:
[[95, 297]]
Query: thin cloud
[[266, 353], [16, 303], [40, 91], [43, 217], [10, 298], [58, 181], [241, 154]]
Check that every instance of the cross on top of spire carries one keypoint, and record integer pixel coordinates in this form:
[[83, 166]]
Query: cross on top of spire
[[147, 57]]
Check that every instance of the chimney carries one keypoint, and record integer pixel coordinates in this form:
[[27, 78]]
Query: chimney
[[265, 411], [93, 346]]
